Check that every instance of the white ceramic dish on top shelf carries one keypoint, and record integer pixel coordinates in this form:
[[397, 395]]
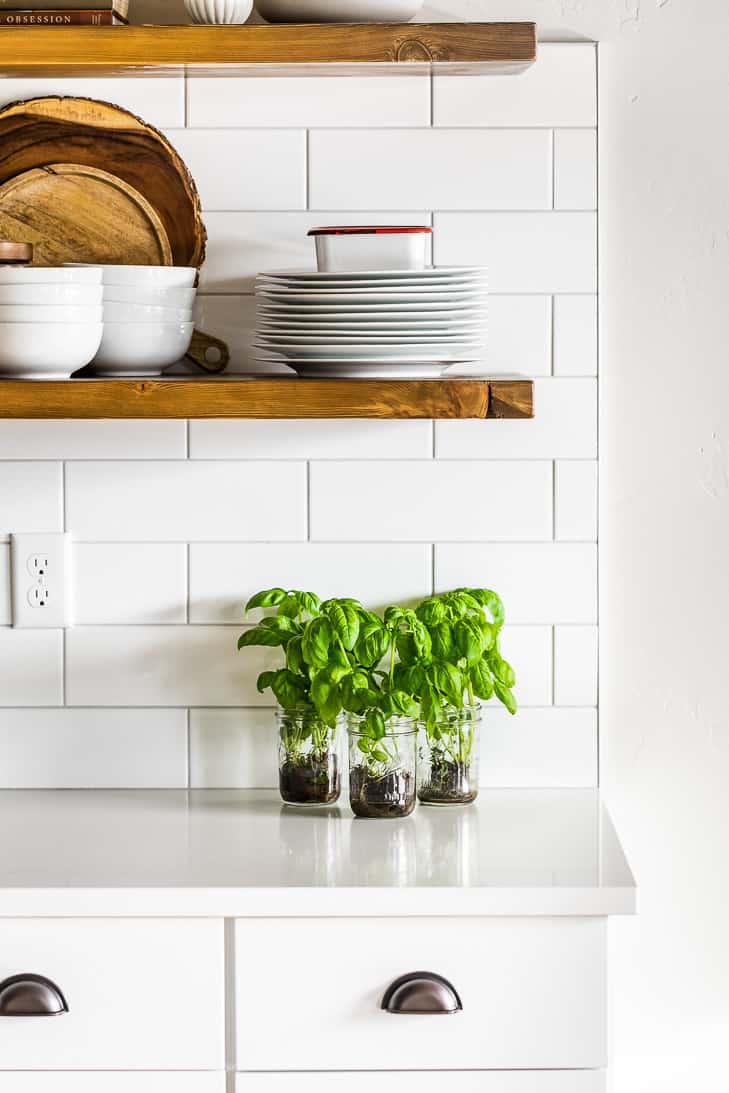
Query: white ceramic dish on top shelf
[[338, 11]]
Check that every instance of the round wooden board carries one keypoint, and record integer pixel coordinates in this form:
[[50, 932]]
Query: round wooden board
[[73, 213], [78, 132]]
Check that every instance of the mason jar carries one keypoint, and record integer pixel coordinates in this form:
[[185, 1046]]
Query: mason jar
[[382, 772], [309, 763], [448, 758]]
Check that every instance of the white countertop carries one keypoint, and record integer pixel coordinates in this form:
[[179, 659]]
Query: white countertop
[[240, 852]]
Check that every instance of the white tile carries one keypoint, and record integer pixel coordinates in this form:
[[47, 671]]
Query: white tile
[[233, 749], [93, 749], [539, 583], [158, 100], [233, 318], [241, 245], [163, 666], [575, 665], [575, 169], [312, 101], [564, 426], [245, 168], [575, 335], [195, 500], [224, 576], [132, 583], [31, 497], [547, 748], [529, 651], [5, 611], [410, 501], [524, 252], [345, 438], [50, 439], [575, 500], [31, 667], [430, 168], [560, 89], [519, 338]]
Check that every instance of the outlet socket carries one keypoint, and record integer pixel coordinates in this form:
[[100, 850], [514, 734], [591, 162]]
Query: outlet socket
[[41, 578]]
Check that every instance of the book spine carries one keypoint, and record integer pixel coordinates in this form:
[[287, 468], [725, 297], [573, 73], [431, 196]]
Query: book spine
[[60, 18]]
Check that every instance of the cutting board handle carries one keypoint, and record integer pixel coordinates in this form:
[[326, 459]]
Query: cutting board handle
[[208, 353]]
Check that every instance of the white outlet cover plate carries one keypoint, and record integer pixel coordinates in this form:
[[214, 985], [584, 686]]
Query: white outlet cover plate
[[40, 569]]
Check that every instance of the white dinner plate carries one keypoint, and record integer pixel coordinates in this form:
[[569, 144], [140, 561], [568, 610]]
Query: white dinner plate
[[367, 369], [369, 329], [310, 286], [414, 311], [369, 296], [472, 337], [379, 274], [454, 351]]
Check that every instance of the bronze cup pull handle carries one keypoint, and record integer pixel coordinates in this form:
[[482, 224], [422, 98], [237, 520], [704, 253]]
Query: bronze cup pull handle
[[29, 995], [421, 992]]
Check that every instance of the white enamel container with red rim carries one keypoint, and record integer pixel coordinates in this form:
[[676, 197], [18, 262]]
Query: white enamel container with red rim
[[360, 247]]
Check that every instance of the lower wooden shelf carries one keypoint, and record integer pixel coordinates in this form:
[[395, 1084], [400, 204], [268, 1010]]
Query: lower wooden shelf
[[266, 397]]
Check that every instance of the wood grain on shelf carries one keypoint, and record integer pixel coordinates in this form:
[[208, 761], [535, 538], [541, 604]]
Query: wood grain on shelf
[[467, 46], [265, 397]]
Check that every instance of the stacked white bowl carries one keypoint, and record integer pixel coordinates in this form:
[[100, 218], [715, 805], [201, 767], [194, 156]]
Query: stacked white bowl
[[50, 320], [147, 319]]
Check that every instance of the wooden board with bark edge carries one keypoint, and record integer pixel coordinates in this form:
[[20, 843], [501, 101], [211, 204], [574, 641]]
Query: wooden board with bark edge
[[309, 48], [265, 397]]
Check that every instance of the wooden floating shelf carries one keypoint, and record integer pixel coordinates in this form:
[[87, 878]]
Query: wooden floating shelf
[[266, 397], [300, 48]]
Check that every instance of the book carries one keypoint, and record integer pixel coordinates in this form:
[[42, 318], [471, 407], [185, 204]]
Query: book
[[62, 17], [121, 7]]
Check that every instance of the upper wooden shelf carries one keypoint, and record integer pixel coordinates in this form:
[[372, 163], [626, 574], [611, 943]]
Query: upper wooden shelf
[[304, 49], [265, 397]]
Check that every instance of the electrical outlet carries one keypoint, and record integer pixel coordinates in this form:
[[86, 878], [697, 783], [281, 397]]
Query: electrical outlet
[[41, 579]]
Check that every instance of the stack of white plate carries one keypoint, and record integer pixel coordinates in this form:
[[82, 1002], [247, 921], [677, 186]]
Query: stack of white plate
[[384, 323]]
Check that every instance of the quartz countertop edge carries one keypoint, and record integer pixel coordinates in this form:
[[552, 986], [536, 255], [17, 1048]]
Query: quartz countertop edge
[[241, 853]]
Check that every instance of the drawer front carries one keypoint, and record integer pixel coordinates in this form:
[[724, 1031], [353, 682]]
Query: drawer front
[[142, 994], [308, 994], [487, 1081], [74, 1081]]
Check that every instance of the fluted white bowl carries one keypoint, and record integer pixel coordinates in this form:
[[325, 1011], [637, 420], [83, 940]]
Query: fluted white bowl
[[219, 11], [46, 350], [338, 11]]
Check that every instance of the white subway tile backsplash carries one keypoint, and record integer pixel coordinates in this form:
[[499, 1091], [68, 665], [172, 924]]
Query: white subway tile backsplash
[[539, 582], [575, 335], [245, 168], [223, 576], [430, 168], [162, 666], [233, 749], [241, 245], [233, 318], [575, 169], [31, 668], [560, 89], [529, 651], [88, 439], [519, 338], [93, 749], [159, 100], [5, 612], [524, 251], [31, 497], [194, 500], [415, 501], [575, 665], [129, 583], [543, 748], [575, 500], [564, 426], [287, 101], [345, 438]]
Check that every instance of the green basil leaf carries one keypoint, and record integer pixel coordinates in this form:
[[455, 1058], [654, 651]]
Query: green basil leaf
[[481, 680], [290, 690], [505, 696], [488, 599], [345, 623], [264, 681], [448, 680], [432, 611], [372, 644], [269, 597], [315, 642], [258, 635], [294, 656], [469, 639], [326, 696], [441, 638]]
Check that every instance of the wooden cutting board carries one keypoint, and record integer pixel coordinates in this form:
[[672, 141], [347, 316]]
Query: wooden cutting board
[[58, 154]]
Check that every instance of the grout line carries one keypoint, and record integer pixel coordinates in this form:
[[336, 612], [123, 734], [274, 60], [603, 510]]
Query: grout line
[[63, 666], [431, 80], [554, 171], [554, 500], [307, 168], [432, 569], [185, 105], [64, 498], [308, 501], [187, 439], [188, 548], [230, 1016], [554, 662], [551, 334], [187, 750]]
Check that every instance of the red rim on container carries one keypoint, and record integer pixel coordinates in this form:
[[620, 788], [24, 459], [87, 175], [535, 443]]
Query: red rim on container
[[367, 229]]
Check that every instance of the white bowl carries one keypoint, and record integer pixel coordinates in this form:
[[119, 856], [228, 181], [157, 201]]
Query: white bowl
[[150, 294], [218, 11], [50, 275], [162, 276], [141, 349], [338, 11], [46, 350], [21, 313], [142, 313], [51, 295]]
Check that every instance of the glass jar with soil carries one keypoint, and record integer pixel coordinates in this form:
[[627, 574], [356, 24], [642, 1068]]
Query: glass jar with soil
[[382, 770], [448, 758], [309, 767]]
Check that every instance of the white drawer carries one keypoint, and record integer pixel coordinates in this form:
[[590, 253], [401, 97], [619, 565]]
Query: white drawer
[[308, 994], [74, 1081], [487, 1081], [142, 994]]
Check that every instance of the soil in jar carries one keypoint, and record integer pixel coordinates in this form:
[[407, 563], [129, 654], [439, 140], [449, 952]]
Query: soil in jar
[[449, 783], [310, 780], [385, 797]]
